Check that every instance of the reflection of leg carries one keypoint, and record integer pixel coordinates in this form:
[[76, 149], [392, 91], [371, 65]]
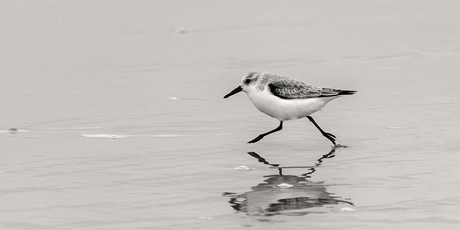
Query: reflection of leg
[[261, 159], [320, 162], [329, 136], [258, 138], [329, 155]]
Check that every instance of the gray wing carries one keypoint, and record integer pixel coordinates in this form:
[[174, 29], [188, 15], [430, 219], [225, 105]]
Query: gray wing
[[294, 89]]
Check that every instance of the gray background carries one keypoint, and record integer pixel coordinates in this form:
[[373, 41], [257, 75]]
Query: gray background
[[122, 124]]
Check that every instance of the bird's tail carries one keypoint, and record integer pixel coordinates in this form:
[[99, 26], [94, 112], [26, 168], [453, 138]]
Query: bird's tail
[[347, 92]]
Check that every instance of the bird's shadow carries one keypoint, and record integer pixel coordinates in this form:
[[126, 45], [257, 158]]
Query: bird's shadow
[[282, 194]]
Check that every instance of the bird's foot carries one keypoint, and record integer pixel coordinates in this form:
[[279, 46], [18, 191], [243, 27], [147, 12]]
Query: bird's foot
[[338, 145], [258, 138], [329, 136], [332, 137]]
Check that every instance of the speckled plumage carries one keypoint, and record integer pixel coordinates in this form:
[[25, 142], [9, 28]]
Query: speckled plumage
[[290, 88]]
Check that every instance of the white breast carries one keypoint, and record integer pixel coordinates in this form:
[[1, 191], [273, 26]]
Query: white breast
[[283, 109]]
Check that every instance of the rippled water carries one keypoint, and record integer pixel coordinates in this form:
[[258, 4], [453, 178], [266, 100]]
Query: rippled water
[[113, 117]]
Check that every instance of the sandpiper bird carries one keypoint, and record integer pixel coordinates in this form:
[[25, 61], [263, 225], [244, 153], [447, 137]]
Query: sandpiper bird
[[286, 98]]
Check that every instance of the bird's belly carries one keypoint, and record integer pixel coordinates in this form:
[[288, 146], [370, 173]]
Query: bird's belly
[[287, 109]]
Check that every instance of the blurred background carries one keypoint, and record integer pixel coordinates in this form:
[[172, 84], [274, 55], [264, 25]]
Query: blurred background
[[112, 114]]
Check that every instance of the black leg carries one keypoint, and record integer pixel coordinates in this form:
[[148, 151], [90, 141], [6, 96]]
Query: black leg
[[258, 138], [329, 136]]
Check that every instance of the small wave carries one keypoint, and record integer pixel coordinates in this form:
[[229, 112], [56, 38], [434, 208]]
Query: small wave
[[106, 136]]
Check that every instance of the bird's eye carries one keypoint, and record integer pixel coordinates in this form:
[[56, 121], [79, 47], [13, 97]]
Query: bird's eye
[[247, 81]]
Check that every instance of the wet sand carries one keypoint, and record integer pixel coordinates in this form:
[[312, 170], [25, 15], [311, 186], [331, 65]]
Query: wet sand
[[113, 117]]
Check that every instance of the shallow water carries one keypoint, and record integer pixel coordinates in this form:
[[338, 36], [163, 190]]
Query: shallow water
[[121, 122]]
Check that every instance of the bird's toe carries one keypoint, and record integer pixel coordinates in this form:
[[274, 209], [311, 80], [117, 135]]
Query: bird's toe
[[255, 140], [329, 135]]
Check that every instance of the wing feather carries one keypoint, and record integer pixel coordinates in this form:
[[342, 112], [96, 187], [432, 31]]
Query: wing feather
[[301, 90], [290, 88], [294, 89]]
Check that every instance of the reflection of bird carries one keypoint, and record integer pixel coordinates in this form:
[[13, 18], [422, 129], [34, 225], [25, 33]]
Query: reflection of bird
[[287, 194], [286, 98]]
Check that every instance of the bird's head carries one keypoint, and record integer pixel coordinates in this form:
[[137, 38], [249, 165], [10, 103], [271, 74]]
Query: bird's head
[[248, 83]]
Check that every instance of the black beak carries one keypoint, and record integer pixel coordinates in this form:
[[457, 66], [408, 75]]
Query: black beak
[[237, 90]]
